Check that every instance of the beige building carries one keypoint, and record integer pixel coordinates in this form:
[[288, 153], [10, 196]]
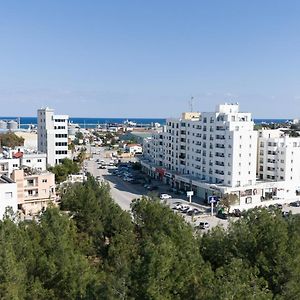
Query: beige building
[[34, 190]]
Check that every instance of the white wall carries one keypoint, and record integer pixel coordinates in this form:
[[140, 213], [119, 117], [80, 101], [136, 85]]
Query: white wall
[[8, 197]]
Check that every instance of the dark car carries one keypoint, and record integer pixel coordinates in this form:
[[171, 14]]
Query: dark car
[[194, 212], [236, 212], [222, 215], [295, 204]]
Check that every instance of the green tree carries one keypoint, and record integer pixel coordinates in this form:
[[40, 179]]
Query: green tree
[[228, 200], [62, 171], [169, 265], [11, 140]]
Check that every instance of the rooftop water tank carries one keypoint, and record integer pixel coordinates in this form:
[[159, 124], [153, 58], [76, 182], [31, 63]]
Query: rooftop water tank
[[3, 124], [12, 125]]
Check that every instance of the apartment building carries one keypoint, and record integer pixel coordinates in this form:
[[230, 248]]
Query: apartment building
[[53, 135], [34, 190], [278, 156], [8, 194], [214, 153], [213, 147]]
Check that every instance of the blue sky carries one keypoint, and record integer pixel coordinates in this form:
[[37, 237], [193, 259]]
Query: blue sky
[[147, 58]]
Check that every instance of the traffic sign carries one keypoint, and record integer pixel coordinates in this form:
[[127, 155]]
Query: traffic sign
[[212, 199], [190, 193]]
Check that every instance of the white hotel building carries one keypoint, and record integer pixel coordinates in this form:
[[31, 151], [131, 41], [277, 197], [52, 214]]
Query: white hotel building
[[213, 153], [53, 135]]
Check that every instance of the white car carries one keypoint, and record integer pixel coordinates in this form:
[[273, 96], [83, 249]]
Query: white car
[[204, 225], [165, 196]]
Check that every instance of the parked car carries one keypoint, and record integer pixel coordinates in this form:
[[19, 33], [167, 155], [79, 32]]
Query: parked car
[[285, 214], [178, 206], [165, 196], [279, 206], [203, 225], [222, 215], [194, 211], [101, 167], [236, 212], [184, 209], [295, 204]]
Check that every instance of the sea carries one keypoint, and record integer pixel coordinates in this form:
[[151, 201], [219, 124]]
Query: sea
[[25, 122]]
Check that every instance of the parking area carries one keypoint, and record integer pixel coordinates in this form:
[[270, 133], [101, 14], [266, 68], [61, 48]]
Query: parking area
[[128, 183]]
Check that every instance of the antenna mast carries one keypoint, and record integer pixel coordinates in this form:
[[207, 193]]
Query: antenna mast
[[191, 104]]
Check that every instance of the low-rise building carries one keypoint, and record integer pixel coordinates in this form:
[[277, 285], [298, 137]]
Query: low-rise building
[[134, 149], [35, 190], [8, 195]]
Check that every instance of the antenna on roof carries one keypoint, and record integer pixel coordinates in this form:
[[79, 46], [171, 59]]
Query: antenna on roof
[[191, 103]]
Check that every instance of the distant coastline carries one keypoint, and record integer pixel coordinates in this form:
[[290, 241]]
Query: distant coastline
[[92, 122]]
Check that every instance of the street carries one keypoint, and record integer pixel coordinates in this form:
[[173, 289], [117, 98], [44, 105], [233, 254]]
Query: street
[[124, 192]]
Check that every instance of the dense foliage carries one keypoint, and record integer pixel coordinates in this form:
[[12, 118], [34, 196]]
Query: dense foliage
[[91, 249], [11, 140], [66, 168]]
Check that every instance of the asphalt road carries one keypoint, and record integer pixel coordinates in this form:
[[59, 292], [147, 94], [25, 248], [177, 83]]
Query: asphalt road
[[123, 192]]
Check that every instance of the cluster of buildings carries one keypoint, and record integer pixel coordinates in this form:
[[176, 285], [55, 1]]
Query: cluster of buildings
[[25, 183], [217, 153]]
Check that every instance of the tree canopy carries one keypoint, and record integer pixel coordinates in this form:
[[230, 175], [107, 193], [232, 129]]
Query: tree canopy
[[91, 249], [66, 168], [11, 140]]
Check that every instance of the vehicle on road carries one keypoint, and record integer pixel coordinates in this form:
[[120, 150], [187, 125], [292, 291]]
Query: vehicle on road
[[101, 167], [193, 211], [178, 206], [285, 214], [203, 225], [222, 215], [184, 208], [295, 204], [165, 196], [236, 213]]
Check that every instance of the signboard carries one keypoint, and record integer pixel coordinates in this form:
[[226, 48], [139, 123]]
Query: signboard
[[212, 199], [190, 193]]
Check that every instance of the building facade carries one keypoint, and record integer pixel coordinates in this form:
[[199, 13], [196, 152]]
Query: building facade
[[8, 195], [278, 156], [53, 135], [35, 191], [214, 153]]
